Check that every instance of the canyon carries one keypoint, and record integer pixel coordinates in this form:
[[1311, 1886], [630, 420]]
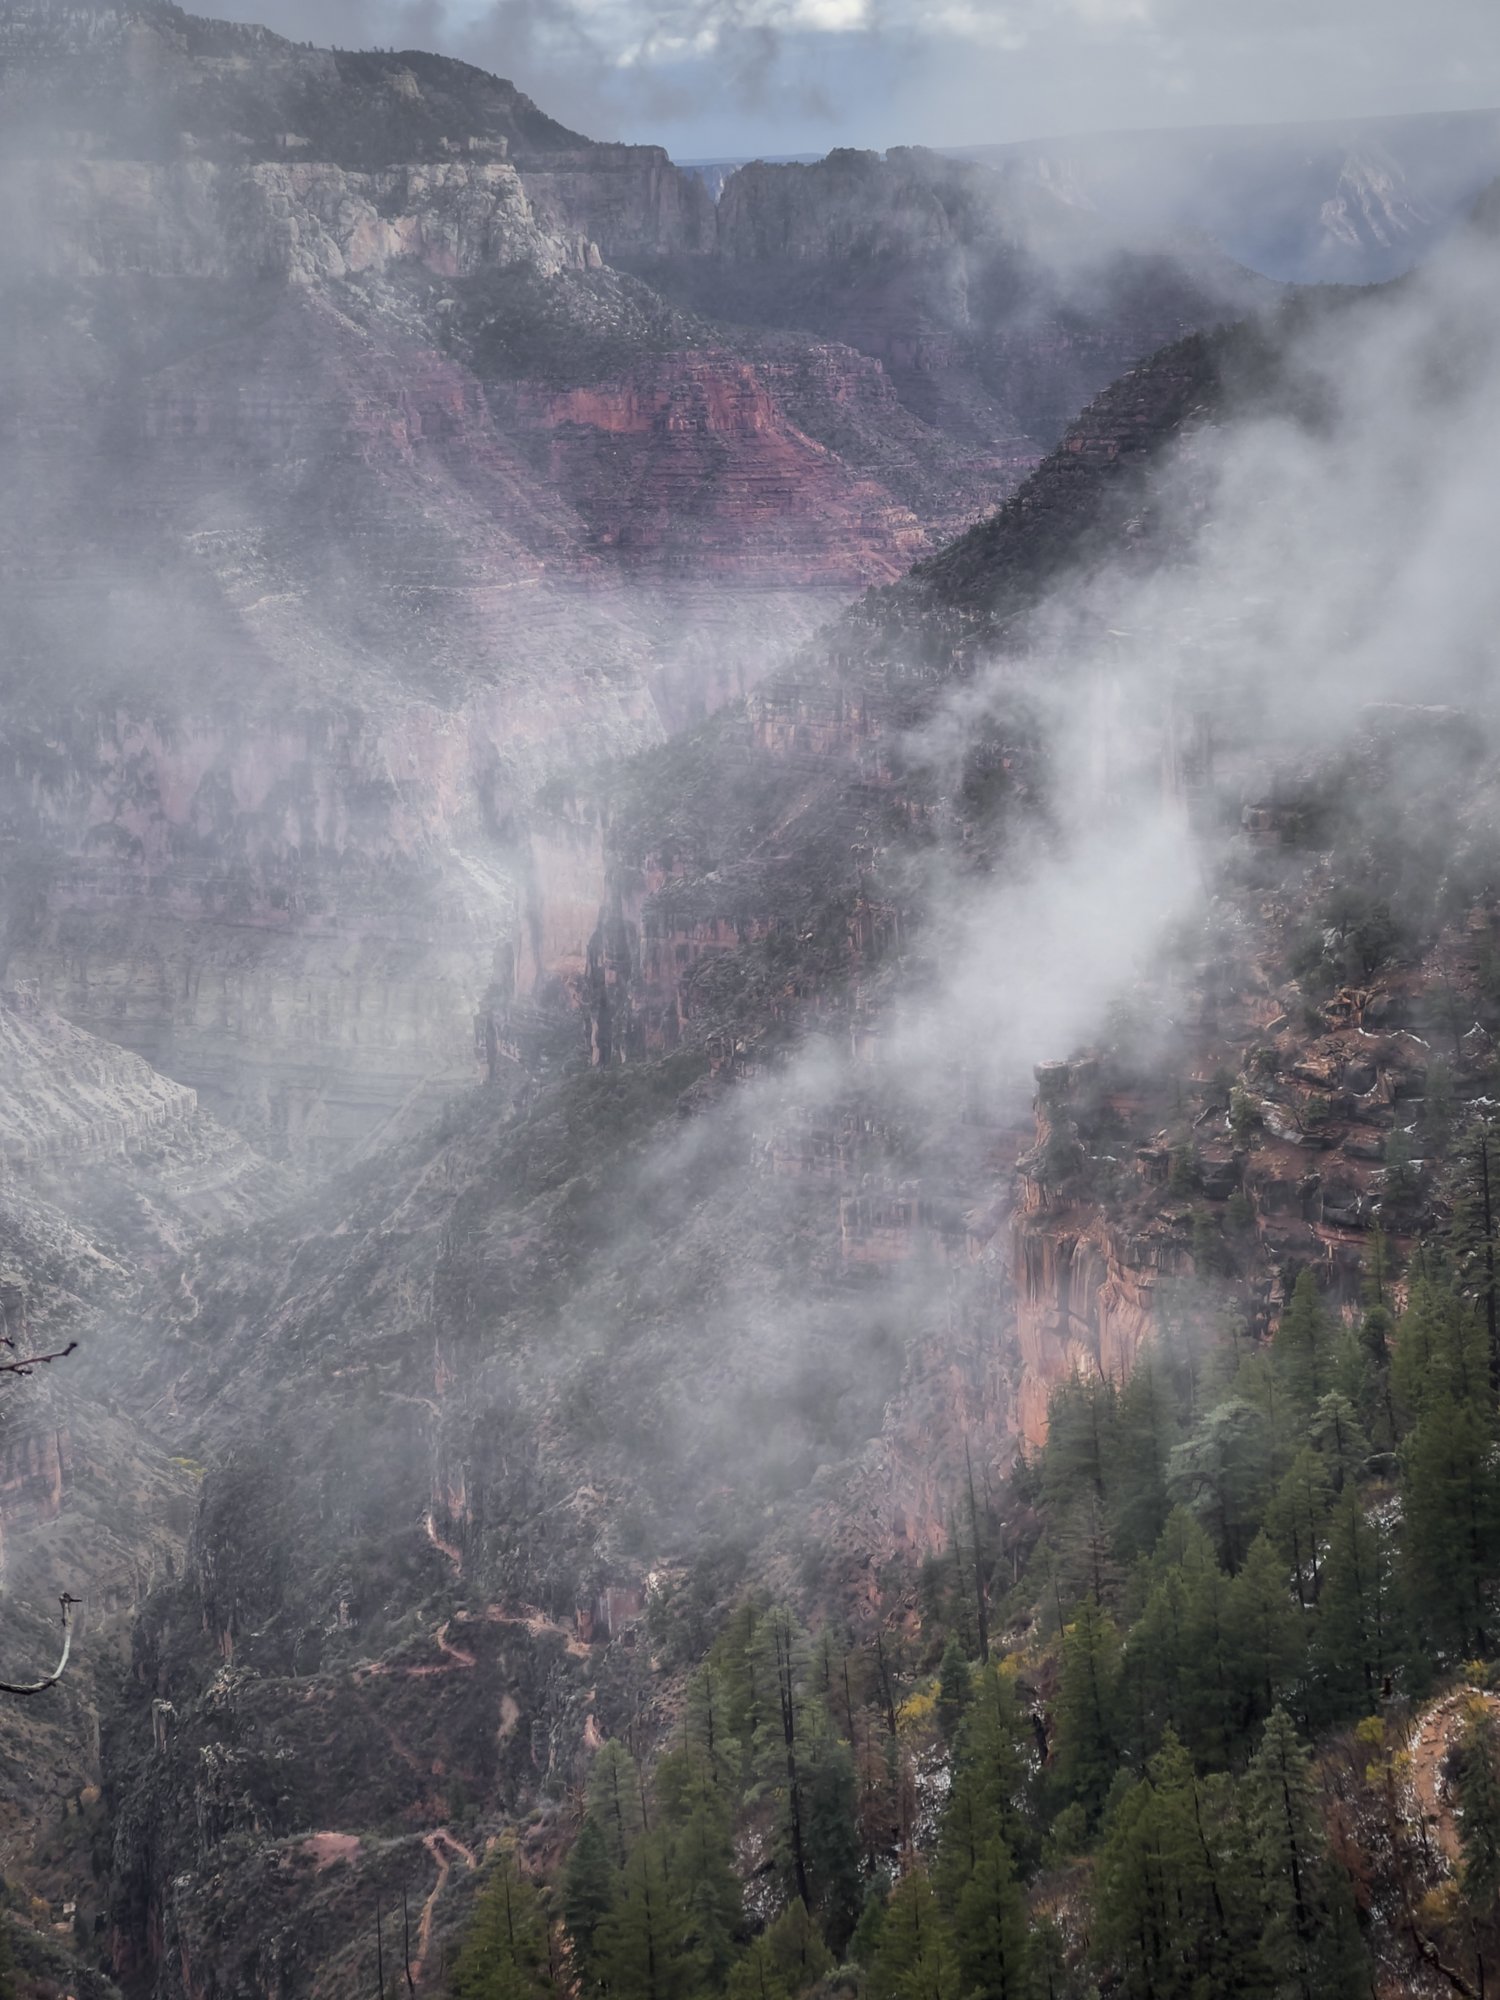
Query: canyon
[[517, 678], [351, 504]]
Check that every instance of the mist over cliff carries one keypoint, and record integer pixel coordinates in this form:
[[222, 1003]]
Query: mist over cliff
[[664, 864]]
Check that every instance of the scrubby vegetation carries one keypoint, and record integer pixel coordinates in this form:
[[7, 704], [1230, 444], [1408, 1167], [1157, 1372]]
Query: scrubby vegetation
[[1168, 1717]]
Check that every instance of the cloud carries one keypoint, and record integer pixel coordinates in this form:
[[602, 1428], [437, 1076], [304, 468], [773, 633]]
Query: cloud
[[729, 78]]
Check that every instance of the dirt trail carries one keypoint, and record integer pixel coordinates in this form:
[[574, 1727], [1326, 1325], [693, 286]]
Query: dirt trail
[[323, 1849], [458, 1654], [1434, 1736], [536, 1623], [455, 1556], [444, 1847]]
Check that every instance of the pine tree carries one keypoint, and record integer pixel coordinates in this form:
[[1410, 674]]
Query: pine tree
[[1297, 1520], [706, 1764], [588, 1893], [1087, 1734], [1440, 1349], [1338, 1437], [754, 1976], [953, 1690], [990, 1781], [1304, 1344], [1081, 1417], [615, 1799], [1309, 1947], [784, 1740], [1145, 1434], [798, 1952], [1168, 1925], [1479, 1824], [915, 1959], [1222, 1471], [1475, 1237], [738, 1657], [1153, 1694], [1268, 1642], [1357, 1642], [831, 1834], [1209, 1668], [865, 1943], [989, 1928], [642, 1945], [1451, 1505], [703, 1883], [504, 1952]]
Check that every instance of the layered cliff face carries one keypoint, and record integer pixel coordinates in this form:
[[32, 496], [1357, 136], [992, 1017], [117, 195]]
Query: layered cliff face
[[314, 579], [733, 1299], [671, 1231], [356, 498], [229, 94], [666, 1316], [108, 1171], [995, 313]]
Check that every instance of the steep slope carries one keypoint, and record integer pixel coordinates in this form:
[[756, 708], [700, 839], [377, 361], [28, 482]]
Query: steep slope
[[217, 91], [995, 313], [311, 585], [667, 1317], [739, 1300], [108, 1172], [355, 497]]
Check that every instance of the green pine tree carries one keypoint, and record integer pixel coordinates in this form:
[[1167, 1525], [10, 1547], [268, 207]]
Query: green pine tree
[[1169, 1884], [915, 1958], [991, 1783], [798, 1952], [1146, 1431], [989, 1928], [1357, 1642], [1304, 1344], [1222, 1472], [588, 1893], [504, 1952], [642, 1947], [704, 1884], [615, 1800], [1267, 1635], [1479, 1824], [1087, 1720], [1452, 1505], [953, 1690], [1308, 1943]]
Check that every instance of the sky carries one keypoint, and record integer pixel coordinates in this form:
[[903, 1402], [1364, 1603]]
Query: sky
[[729, 79]]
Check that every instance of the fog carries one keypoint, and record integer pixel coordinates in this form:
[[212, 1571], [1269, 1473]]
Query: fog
[[747, 77], [329, 784]]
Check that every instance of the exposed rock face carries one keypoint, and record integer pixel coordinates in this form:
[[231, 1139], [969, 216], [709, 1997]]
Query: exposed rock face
[[630, 200], [107, 1169], [328, 576], [691, 466], [220, 92], [660, 1312], [355, 506], [304, 224], [995, 314]]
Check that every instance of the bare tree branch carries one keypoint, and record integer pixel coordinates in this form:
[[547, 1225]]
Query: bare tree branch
[[41, 1686], [24, 1367]]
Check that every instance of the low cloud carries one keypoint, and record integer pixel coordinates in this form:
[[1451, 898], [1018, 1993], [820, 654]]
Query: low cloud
[[724, 78]]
